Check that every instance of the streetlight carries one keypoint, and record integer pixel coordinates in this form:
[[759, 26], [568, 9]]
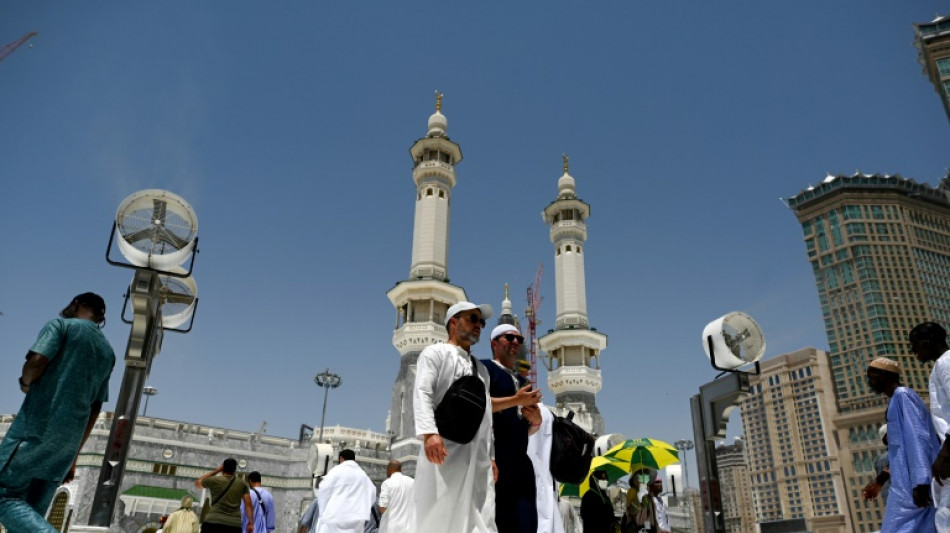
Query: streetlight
[[148, 391], [684, 445], [328, 380]]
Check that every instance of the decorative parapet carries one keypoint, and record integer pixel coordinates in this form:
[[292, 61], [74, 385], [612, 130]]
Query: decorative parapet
[[575, 379], [569, 229], [415, 336]]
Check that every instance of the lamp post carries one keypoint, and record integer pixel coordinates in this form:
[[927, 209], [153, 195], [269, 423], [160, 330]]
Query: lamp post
[[328, 380], [148, 391], [684, 445]]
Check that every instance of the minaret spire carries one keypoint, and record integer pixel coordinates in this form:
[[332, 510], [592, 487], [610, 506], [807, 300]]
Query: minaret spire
[[422, 299], [573, 348], [438, 101]]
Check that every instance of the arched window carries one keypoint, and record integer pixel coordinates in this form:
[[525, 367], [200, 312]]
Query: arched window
[[429, 191]]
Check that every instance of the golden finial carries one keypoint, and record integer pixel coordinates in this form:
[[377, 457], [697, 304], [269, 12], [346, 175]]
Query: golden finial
[[565, 158], [506, 291], [438, 102]]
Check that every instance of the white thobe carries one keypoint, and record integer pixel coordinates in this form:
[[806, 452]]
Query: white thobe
[[450, 498], [940, 413], [346, 497], [662, 517], [396, 495], [539, 451]]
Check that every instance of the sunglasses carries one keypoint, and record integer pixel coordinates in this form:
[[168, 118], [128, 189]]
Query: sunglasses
[[475, 319], [511, 337]]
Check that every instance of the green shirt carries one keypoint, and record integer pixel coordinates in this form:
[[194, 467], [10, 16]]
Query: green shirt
[[228, 509], [46, 433]]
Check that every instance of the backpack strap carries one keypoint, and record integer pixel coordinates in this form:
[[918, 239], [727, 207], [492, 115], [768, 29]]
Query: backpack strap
[[260, 501]]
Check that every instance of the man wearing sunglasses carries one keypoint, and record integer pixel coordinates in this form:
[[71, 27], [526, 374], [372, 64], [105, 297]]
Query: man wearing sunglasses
[[514, 414], [451, 477]]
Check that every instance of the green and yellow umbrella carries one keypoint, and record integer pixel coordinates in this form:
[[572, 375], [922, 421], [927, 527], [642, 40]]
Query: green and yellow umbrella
[[638, 454], [615, 469]]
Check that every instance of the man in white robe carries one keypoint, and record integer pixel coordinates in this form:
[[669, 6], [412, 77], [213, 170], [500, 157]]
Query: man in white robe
[[346, 497], [539, 451], [452, 478], [396, 501]]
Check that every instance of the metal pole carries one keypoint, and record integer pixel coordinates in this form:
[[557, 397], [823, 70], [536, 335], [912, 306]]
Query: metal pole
[[148, 392], [326, 392], [327, 380], [145, 341]]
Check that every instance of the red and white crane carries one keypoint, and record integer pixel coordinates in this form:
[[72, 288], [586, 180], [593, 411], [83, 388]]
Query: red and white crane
[[534, 305], [9, 48]]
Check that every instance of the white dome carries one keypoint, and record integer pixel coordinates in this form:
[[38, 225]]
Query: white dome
[[438, 124], [565, 185]]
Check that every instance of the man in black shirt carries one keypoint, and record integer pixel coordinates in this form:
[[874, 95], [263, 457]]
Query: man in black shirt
[[515, 415]]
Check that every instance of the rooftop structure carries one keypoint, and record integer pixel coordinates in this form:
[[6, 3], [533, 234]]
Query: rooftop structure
[[932, 40]]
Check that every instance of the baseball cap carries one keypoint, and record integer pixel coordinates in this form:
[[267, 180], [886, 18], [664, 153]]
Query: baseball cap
[[467, 306]]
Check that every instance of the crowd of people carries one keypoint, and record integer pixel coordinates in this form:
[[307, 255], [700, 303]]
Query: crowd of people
[[483, 463]]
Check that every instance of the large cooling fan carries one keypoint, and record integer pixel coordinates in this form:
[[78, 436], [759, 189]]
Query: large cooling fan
[[736, 340], [178, 298], [157, 229], [318, 460]]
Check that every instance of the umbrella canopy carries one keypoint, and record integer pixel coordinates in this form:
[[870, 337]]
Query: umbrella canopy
[[615, 470], [639, 454]]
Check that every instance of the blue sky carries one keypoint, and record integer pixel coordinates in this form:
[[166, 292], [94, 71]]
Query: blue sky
[[287, 127]]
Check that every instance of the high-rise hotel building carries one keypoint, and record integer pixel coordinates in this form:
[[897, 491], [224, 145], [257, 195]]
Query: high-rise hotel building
[[879, 247], [932, 40], [736, 488], [793, 459]]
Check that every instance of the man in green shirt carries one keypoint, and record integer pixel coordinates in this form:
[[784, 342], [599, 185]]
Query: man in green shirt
[[227, 492], [66, 380]]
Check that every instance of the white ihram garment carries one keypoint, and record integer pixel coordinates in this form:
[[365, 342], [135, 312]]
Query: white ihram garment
[[450, 498], [539, 451], [396, 495], [940, 413], [346, 497]]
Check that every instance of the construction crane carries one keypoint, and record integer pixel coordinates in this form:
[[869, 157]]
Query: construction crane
[[9, 48], [534, 305]]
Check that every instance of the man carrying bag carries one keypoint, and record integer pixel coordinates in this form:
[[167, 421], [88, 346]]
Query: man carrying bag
[[227, 493]]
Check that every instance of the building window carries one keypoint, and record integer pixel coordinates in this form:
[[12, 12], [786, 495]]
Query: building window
[[943, 66], [164, 469]]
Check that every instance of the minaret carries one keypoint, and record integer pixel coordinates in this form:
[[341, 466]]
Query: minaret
[[507, 316], [422, 300], [573, 347]]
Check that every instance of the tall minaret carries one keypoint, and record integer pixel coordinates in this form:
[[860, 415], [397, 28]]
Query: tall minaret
[[573, 347], [422, 300]]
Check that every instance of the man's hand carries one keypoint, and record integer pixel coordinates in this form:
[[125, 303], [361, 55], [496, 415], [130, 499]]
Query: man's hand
[[871, 490], [250, 527], [525, 396], [435, 449], [922, 497], [494, 471]]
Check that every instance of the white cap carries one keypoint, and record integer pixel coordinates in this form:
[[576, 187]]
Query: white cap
[[467, 306], [501, 329]]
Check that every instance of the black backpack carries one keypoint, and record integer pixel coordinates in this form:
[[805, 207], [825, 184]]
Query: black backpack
[[460, 413], [572, 450]]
